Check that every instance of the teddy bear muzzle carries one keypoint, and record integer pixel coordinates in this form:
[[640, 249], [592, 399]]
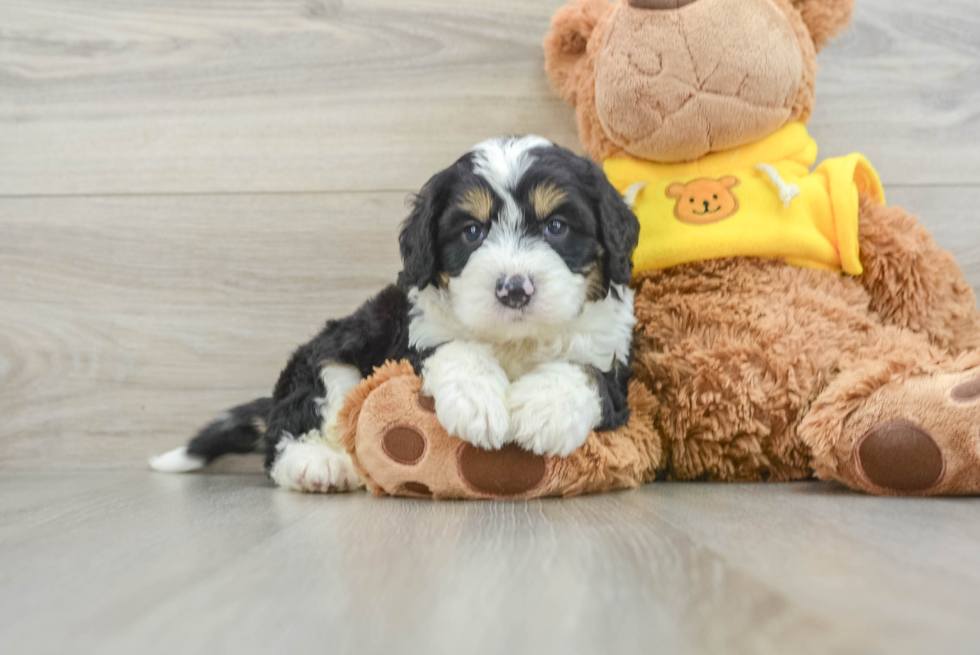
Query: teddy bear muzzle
[[676, 85]]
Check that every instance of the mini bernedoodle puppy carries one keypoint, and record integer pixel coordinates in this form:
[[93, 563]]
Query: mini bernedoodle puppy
[[513, 302]]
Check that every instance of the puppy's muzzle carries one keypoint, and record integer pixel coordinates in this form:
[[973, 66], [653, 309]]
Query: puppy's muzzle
[[514, 291]]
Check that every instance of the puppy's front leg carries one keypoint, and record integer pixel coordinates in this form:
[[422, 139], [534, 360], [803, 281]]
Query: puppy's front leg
[[553, 408], [302, 440], [470, 390]]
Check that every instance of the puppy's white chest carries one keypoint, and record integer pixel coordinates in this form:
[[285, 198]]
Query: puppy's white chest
[[519, 359]]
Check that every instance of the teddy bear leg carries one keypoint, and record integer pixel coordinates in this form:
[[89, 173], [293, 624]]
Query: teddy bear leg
[[399, 448], [913, 283], [903, 418]]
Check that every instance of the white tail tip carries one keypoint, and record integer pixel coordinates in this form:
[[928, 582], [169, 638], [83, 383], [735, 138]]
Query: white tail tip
[[176, 461]]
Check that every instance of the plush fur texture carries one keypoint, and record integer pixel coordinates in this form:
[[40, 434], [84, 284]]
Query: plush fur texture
[[737, 372]]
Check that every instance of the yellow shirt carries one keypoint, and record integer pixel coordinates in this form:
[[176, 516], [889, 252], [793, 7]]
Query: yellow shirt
[[759, 200]]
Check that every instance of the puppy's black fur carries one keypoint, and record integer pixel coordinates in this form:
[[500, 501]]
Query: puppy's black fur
[[605, 232], [592, 205], [375, 333]]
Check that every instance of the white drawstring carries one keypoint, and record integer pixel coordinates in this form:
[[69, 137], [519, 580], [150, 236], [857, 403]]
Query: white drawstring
[[786, 191], [632, 191]]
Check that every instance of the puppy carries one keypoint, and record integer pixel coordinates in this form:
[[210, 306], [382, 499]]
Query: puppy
[[513, 303]]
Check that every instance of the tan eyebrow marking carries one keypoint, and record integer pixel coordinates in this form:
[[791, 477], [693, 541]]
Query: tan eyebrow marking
[[478, 202], [546, 198]]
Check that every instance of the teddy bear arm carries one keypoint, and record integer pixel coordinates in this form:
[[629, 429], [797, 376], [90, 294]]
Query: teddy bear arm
[[913, 283], [399, 448]]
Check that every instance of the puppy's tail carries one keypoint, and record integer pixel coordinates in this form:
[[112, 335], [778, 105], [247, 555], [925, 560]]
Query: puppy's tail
[[239, 430]]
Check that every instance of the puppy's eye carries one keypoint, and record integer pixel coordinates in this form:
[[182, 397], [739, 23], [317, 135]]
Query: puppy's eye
[[474, 234], [555, 228]]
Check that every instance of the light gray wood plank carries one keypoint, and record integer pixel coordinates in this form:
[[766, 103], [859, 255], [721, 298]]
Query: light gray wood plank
[[261, 95], [201, 563], [125, 323], [902, 86], [256, 95]]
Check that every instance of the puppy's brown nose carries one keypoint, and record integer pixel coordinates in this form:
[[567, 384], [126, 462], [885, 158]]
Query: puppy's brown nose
[[514, 291], [659, 4]]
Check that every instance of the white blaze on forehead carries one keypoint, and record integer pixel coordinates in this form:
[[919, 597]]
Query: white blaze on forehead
[[502, 162]]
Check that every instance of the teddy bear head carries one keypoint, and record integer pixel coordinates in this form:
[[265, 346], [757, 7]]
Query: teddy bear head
[[673, 80]]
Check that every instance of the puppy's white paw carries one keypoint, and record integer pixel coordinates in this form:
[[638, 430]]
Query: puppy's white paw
[[553, 408], [470, 391], [305, 465], [474, 411]]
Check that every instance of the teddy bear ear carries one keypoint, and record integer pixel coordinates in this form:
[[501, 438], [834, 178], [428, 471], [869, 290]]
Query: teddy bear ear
[[566, 43], [729, 182], [675, 190], [825, 18]]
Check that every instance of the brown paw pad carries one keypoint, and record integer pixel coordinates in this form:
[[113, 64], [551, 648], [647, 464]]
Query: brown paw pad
[[900, 456], [510, 471], [427, 402], [966, 392], [403, 444]]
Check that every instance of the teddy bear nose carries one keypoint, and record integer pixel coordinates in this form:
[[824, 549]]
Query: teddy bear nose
[[659, 4], [707, 205]]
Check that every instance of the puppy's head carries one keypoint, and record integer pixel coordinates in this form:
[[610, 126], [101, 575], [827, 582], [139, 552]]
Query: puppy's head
[[518, 234]]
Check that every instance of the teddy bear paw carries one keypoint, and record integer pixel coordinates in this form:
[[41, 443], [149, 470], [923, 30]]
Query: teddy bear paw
[[404, 451], [929, 444]]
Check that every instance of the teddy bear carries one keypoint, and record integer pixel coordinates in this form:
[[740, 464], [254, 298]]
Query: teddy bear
[[790, 324]]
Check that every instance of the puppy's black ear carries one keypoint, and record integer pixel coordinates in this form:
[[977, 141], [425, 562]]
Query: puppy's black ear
[[420, 256], [619, 230]]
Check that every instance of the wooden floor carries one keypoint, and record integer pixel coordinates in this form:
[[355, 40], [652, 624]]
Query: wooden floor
[[129, 561], [188, 189]]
